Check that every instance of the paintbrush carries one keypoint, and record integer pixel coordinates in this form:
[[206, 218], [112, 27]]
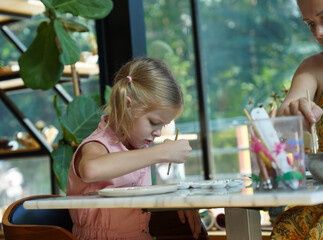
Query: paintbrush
[[313, 125], [170, 164]]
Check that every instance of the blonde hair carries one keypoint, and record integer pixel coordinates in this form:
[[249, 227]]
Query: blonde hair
[[150, 85]]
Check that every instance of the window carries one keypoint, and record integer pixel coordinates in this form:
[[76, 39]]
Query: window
[[249, 51], [169, 37]]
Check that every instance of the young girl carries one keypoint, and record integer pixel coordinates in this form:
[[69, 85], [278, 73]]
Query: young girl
[[144, 98]]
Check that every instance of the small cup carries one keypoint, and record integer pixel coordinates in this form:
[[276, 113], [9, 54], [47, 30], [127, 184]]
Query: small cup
[[277, 153]]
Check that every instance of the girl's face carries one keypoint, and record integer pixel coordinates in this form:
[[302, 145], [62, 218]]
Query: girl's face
[[312, 12], [147, 126]]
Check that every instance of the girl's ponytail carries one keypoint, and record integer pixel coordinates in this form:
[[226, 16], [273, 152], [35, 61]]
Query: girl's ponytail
[[118, 110]]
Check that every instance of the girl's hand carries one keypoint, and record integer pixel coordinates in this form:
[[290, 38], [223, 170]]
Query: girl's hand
[[178, 150], [311, 113], [194, 220]]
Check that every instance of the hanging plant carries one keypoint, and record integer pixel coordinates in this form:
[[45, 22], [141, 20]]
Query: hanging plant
[[41, 66]]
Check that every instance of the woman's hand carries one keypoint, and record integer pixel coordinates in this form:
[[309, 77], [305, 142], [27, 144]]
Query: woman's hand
[[194, 220], [300, 107]]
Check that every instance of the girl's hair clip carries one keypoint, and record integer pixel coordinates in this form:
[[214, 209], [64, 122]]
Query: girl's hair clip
[[130, 79]]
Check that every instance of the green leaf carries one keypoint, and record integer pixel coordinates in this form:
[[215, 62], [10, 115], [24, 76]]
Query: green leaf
[[58, 108], [61, 110], [40, 67], [47, 3], [73, 26], [62, 157], [96, 97], [94, 9], [70, 51], [82, 117], [68, 134]]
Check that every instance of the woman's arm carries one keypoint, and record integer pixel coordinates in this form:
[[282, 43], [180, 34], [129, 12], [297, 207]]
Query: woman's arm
[[307, 77], [96, 164]]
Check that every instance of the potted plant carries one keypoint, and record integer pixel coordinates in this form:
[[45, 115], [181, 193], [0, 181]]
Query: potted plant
[[41, 67]]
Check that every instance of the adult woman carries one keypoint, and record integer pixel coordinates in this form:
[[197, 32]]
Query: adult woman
[[305, 222], [309, 75]]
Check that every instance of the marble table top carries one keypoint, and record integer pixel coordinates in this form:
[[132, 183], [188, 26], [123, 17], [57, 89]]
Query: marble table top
[[189, 198]]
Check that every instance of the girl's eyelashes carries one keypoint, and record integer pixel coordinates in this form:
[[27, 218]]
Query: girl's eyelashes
[[153, 123], [156, 123], [310, 24]]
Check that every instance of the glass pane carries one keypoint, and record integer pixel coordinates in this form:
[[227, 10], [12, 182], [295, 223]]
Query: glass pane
[[250, 50], [169, 38], [9, 125], [8, 54], [22, 177], [37, 106]]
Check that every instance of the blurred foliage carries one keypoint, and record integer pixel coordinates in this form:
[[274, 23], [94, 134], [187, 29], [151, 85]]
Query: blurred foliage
[[245, 46], [249, 53]]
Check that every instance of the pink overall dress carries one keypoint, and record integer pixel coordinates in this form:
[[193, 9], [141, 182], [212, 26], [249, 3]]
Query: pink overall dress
[[112, 224]]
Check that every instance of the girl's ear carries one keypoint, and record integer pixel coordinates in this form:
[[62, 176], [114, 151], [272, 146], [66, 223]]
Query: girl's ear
[[128, 102]]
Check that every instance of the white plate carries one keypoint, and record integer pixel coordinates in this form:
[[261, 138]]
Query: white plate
[[183, 185], [235, 183], [219, 184], [196, 184], [207, 184], [138, 190]]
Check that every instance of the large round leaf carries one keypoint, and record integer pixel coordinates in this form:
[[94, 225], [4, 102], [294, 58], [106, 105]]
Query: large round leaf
[[40, 67], [47, 3], [70, 51], [61, 110], [82, 117], [62, 157], [94, 9]]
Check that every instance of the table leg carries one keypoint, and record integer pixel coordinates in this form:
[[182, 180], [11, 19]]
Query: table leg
[[242, 224]]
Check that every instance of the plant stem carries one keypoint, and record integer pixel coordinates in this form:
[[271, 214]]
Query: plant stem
[[75, 80]]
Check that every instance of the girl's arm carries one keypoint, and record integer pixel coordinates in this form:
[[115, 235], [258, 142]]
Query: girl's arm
[[308, 76], [94, 163]]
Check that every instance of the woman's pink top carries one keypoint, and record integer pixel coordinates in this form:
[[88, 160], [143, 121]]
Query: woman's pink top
[[95, 223]]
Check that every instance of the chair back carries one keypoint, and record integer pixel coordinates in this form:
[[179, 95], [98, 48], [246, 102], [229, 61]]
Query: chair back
[[20, 223], [52, 224]]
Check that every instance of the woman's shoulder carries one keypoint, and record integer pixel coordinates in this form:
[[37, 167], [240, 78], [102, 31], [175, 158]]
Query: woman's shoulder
[[313, 62]]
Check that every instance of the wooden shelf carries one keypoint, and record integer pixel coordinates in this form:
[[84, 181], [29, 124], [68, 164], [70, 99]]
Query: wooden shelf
[[18, 9], [13, 81], [31, 7], [8, 151], [7, 154]]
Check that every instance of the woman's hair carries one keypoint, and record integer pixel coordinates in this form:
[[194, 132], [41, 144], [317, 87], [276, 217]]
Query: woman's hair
[[150, 85]]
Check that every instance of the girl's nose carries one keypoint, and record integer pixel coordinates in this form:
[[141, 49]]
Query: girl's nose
[[157, 133], [318, 32]]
